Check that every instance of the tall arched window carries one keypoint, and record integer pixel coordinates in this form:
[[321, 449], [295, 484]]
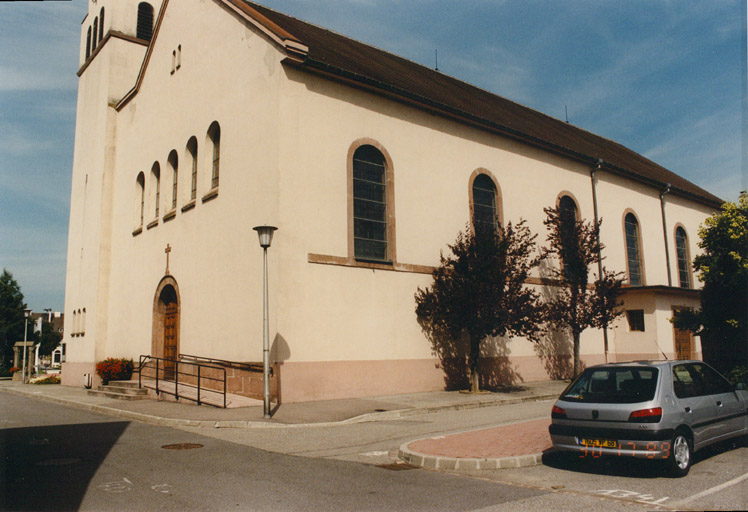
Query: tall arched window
[[568, 216], [633, 251], [145, 21], [684, 262], [95, 33], [173, 162], [369, 204], [214, 133], [485, 204], [101, 24], [192, 151], [156, 180], [88, 49], [140, 187]]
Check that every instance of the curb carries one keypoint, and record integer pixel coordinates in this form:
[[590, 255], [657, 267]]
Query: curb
[[248, 424], [466, 464]]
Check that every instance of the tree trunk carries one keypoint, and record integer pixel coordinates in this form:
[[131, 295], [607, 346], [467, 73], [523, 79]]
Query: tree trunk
[[474, 366], [577, 363]]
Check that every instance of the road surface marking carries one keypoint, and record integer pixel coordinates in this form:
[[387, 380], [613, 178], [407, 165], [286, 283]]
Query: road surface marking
[[710, 491]]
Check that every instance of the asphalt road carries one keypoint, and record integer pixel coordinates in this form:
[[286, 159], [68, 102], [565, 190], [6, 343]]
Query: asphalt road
[[58, 458]]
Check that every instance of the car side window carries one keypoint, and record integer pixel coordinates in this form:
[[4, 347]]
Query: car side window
[[714, 383], [683, 382]]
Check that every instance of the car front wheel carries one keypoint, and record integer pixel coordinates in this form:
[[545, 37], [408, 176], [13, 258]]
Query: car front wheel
[[681, 455]]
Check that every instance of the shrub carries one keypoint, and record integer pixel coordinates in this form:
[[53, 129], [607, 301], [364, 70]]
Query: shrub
[[48, 379], [14, 369], [737, 375], [114, 369]]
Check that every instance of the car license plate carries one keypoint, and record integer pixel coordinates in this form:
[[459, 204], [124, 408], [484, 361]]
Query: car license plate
[[598, 443]]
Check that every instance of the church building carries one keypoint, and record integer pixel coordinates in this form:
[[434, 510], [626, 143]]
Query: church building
[[198, 120]]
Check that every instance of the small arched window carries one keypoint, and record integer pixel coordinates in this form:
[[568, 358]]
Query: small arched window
[[633, 250], [140, 187], [101, 24], [75, 323], [214, 134], [485, 207], [684, 262], [369, 204], [174, 166], [156, 180], [145, 21], [192, 151], [88, 51], [95, 33]]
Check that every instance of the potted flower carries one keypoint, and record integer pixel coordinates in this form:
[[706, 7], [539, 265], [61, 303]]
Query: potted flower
[[114, 369]]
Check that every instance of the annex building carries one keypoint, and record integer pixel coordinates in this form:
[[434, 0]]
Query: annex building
[[200, 119]]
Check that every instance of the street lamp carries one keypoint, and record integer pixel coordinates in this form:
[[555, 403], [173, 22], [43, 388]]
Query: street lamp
[[26, 314], [265, 234]]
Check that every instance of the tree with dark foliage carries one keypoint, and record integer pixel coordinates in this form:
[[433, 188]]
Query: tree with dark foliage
[[577, 306], [722, 320], [11, 316], [480, 291]]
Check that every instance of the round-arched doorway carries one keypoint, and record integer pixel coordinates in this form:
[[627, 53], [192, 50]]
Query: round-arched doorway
[[165, 340]]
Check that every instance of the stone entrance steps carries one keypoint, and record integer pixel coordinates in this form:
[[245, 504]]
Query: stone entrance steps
[[121, 390]]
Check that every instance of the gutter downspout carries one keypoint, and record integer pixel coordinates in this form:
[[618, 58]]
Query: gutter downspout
[[595, 169], [664, 233]]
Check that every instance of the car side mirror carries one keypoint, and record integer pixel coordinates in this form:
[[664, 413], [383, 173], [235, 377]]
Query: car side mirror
[[739, 386]]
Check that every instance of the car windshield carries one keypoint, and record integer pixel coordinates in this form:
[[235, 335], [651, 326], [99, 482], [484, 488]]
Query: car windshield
[[617, 385]]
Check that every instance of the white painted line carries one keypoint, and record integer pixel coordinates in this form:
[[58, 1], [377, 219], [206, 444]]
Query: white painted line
[[709, 491]]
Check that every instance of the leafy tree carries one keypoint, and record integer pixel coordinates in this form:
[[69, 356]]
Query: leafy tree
[[722, 321], [479, 291], [11, 315], [49, 339], [577, 306]]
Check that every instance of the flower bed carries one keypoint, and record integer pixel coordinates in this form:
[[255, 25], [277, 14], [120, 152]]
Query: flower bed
[[114, 369]]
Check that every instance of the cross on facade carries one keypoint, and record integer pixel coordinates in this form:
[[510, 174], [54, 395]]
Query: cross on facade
[[167, 251]]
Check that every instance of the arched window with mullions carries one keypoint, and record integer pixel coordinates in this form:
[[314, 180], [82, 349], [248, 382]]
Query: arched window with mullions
[[214, 134], [684, 261], [370, 208], [633, 250], [144, 29], [568, 231], [485, 204]]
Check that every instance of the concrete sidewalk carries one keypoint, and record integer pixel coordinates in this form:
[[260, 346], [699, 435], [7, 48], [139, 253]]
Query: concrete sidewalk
[[504, 446]]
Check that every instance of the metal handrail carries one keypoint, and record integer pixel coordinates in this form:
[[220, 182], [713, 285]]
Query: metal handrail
[[146, 359]]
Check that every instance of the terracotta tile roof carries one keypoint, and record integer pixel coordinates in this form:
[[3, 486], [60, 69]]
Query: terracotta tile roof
[[352, 61]]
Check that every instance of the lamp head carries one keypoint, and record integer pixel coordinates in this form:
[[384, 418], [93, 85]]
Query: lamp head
[[27, 312], [265, 234]]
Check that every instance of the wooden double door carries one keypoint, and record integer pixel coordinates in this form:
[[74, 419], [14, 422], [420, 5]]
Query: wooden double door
[[171, 323]]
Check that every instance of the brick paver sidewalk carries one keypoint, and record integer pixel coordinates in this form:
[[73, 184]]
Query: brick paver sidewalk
[[523, 438]]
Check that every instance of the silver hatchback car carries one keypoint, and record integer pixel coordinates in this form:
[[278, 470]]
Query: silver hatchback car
[[662, 410]]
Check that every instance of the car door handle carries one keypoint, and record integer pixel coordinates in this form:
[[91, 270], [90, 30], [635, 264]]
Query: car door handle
[[688, 409], [719, 403]]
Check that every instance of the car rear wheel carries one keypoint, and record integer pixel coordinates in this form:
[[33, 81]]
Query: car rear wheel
[[681, 455]]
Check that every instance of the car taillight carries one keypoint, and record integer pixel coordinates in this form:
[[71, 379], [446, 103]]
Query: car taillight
[[558, 413], [646, 415]]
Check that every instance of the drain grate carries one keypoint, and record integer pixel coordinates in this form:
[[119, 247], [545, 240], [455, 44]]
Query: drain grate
[[182, 446], [397, 466]]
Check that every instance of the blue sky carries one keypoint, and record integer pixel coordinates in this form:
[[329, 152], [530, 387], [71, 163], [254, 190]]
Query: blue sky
[[666, 78]]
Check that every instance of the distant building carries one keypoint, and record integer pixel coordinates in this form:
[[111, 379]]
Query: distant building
[[199, 120]]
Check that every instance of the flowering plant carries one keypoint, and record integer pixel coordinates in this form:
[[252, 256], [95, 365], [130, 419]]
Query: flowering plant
[[14, 369], [114, 369]]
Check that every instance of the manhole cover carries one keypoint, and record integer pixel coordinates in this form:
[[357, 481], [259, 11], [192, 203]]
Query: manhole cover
[[58, 462], [182, 446], [397, 467]]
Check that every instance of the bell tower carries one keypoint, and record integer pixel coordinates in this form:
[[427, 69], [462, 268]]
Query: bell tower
[[115, 37]]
